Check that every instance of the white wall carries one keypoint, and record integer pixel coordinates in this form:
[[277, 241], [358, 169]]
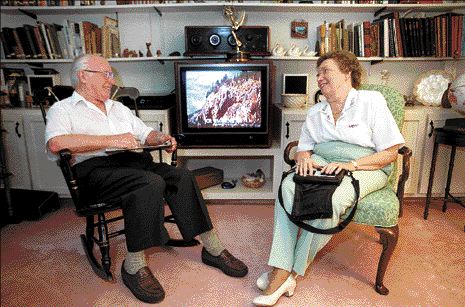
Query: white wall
[[167, 34]]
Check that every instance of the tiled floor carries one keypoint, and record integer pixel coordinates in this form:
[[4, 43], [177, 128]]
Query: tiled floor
[[43, 264]]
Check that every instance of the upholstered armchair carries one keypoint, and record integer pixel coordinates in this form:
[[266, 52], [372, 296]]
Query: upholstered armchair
[[382, 208]]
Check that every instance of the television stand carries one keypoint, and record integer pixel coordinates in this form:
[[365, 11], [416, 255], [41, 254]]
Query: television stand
[[236, 162]]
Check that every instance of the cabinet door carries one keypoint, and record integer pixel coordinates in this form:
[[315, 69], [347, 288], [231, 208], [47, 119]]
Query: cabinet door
[[15, 151], [414, 135], [442, 163], [290, 131], [45, 174], [158, 120]]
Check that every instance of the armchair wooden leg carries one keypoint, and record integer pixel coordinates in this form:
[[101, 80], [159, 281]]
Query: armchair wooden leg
[[388, 237]]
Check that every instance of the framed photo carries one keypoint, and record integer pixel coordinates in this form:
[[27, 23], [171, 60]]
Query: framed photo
[[299, 29], [295, 83]]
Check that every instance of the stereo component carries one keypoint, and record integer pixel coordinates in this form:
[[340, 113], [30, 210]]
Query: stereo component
[[208, 40]]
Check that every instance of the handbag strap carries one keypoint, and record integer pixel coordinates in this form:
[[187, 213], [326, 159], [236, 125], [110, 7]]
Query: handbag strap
[[310, 228]]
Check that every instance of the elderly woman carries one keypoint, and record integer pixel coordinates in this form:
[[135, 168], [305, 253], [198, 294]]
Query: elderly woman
[[368, 139]]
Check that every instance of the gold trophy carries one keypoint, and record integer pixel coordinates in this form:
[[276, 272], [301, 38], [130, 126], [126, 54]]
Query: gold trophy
[[239, 55]]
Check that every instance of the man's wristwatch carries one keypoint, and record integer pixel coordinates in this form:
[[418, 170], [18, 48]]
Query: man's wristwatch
[[354, 164]]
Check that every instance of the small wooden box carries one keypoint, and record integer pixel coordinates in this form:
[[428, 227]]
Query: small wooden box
[[208, 176]]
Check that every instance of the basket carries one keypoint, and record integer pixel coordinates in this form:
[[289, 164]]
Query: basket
[[294, 100], [254, 184]]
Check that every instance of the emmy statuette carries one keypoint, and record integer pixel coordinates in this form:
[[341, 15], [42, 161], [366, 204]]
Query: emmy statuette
[[239, 55]]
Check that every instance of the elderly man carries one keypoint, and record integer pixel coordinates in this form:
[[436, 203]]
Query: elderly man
[[88, 122]]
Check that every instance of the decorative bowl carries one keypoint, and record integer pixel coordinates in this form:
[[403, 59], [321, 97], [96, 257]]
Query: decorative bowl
[[294, 100], [254, 184], [430, 86], [254, 180]]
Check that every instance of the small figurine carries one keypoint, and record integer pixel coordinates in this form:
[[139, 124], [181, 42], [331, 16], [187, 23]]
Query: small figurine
[[409, 100], [141, 54], [158, 52], [149, 53]]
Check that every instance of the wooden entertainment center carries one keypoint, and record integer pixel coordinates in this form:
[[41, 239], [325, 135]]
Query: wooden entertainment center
[[159, 24]]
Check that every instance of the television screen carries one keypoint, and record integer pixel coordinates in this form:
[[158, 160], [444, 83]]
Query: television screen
[[223, 98], [223, 103]]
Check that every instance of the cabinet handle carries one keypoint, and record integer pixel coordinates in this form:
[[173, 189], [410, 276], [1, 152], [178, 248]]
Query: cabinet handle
[[287, 130], [17, 130], [431, 124]]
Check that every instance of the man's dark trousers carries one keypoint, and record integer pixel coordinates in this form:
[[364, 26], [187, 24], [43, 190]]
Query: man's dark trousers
[[142, 187]]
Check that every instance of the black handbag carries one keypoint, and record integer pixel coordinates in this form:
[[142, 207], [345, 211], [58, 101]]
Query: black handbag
[[312, 199]]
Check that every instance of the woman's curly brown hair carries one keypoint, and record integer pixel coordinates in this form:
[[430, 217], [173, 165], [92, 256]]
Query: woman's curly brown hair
[[347, 62]]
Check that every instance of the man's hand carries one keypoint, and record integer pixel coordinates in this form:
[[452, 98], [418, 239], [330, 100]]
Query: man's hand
[[174, 144], [125, 140]]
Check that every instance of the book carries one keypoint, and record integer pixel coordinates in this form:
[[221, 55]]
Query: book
[[29, 30], [367, 38], [40, 42], [138, 148], [46, 40], [6, 45]]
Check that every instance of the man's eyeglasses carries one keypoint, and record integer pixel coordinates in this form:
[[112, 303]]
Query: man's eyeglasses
[[107, 74]]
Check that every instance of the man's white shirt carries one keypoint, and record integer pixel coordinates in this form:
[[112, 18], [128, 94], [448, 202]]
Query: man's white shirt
[[75, 115]]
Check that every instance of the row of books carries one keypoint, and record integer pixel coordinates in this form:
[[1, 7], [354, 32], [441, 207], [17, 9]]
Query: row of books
[[379, 1], [122, 2], [391, 36], [66, 41]]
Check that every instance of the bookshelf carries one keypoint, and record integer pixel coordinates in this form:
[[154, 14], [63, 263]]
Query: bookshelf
[[248, 6], [163, 25]]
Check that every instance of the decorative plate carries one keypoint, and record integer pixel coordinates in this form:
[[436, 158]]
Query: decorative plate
[[430, 86]]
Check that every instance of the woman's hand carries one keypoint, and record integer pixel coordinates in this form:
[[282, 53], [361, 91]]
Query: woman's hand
[[336, 167], [304, 163]]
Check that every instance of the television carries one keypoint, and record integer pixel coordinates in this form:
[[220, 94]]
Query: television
[[224, 104]]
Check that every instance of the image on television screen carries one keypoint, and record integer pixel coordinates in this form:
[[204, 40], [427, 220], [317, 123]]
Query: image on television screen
[[223, 99]]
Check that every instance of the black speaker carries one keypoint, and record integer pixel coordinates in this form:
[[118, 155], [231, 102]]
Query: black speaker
[[208, 40]]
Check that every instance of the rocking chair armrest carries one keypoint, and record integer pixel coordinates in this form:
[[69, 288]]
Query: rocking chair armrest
[[406, 154], [287, 153]]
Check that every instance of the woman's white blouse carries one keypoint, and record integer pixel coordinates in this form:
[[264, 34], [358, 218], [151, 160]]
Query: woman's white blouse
[[365, 120]]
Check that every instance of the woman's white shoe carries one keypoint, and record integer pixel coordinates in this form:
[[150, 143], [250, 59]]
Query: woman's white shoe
[[287, 288], [263, 281]]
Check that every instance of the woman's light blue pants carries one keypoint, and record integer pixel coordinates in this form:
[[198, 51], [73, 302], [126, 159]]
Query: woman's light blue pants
[[293, 253]]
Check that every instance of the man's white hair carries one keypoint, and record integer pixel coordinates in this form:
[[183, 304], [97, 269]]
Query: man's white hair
[[79, 63]]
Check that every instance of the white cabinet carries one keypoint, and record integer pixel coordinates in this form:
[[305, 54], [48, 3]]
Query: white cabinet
[[25, 148], [45, 174], [14, 139], [419, 123], [291, 120], [160, 120]]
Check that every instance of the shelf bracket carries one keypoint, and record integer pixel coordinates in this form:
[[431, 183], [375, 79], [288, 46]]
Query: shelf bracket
[[158, 11], [374, 62], [380, 11], [27, 13], [406, 13]]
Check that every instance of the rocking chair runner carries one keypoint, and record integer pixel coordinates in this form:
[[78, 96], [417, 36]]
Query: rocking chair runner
[[381, 208], [98, 211]]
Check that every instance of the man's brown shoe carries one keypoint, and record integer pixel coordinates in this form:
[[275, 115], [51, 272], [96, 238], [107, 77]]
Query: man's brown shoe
[[226, 262], [143, 285]]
